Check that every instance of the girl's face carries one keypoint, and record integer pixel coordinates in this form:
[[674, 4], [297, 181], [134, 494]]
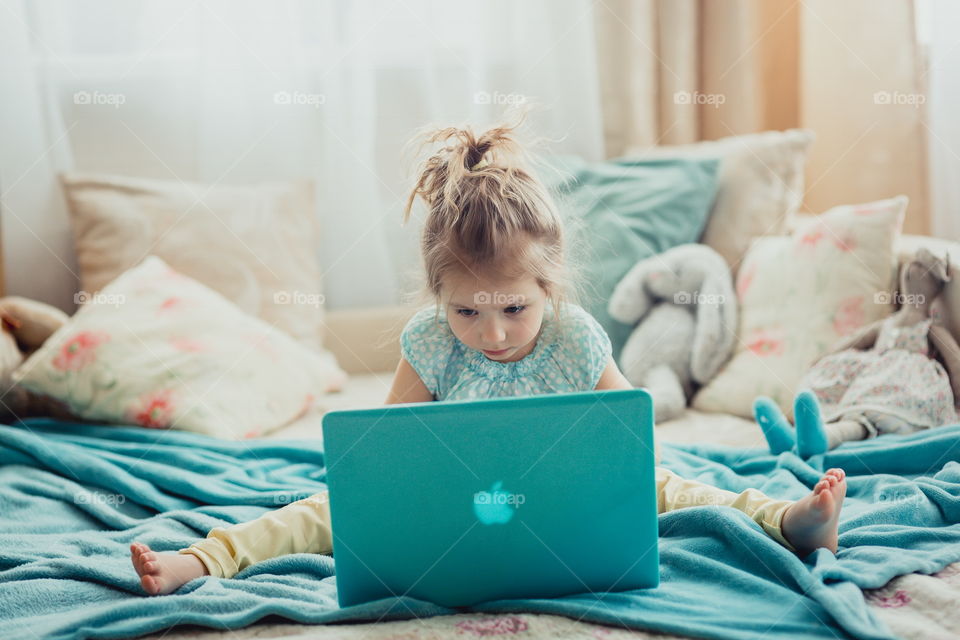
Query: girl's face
[[500, 319]]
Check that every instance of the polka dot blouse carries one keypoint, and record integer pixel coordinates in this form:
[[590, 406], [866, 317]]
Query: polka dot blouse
[[570, 355]]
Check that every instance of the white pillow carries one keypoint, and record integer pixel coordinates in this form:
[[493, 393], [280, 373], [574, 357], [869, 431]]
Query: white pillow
[[159, 349], [255, 244], [759, 186], [800, 294]]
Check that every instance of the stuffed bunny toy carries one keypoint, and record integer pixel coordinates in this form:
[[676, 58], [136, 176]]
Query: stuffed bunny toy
[[685, 312], [26, 324], [884, 378]]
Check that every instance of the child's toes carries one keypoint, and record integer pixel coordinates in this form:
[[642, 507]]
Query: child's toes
[[149, 584], [841, 489], [824, 500], [138, 550]]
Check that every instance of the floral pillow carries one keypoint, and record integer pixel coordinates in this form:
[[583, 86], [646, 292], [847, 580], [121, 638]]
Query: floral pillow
[[159, 349], [800, 294]]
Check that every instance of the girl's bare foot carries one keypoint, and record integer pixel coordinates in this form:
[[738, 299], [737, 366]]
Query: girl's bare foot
[[164, 572], [811, 522]]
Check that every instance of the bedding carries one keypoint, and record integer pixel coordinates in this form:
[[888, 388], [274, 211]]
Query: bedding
[[621, 211], [800, 294], [254, 244], [81, 528], [162, 350], [759, 185]]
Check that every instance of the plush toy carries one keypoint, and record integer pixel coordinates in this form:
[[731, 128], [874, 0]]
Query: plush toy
[[685, 312], [26, 325], [885, 378]]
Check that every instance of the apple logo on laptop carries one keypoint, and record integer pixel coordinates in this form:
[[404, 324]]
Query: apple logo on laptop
[[496, 506]]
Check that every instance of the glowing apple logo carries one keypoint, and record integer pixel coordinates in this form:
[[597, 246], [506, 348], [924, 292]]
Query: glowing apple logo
[[496, 506]]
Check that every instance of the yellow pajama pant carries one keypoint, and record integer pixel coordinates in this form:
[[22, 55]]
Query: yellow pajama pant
[[304, 526]]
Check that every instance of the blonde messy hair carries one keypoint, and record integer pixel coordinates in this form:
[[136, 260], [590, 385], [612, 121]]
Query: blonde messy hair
[[487, 214]]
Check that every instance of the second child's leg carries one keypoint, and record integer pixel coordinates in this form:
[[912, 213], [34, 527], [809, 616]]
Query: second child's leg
[[300, 527], [811, 434], [844, 431], [776, 428]]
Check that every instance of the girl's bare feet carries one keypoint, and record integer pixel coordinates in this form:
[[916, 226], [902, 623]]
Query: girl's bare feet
[[811, 522], [162, 573]]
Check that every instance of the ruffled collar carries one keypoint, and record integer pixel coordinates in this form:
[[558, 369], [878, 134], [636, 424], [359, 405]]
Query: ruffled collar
[[542, 351]]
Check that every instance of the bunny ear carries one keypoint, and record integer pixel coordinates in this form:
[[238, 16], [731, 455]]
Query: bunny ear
[[630, 299], [939, 266], [716, 326]]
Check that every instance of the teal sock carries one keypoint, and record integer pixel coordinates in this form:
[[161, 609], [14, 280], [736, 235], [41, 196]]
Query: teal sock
[[811, 436], [774, 425]]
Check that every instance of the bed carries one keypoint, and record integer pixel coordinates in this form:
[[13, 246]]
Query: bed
[[912, 606]]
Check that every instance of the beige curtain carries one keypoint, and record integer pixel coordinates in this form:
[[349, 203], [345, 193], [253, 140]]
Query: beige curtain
[[678, 71]]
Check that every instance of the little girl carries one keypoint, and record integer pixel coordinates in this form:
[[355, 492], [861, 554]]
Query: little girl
[[503, 324]]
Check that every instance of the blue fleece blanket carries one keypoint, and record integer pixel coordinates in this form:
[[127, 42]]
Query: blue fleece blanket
[[73, 497]]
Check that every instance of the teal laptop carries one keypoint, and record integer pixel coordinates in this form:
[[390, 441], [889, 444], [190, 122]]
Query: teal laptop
[[465, 501]]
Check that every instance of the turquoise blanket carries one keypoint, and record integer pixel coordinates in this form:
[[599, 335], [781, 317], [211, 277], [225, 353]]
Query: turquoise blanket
[[73, 497]]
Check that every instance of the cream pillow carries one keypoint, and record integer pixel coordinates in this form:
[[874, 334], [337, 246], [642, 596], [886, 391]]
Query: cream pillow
[[256, 244], [159, 349], [800, 294], [759, 186]]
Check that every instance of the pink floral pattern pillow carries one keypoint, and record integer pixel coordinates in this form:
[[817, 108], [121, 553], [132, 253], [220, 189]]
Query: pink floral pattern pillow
[[800, 294], [159, 349]]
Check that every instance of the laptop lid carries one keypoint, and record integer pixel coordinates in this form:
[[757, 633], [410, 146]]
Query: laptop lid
[[465, 501]]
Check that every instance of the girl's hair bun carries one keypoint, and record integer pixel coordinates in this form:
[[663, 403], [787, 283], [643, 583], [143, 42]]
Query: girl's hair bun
[[462, 153]]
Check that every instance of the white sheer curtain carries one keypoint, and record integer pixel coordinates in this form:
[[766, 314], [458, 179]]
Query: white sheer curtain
[[938, 30], [230, 92]]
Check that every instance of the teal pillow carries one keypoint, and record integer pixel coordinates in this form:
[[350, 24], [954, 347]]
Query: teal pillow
[[622, 211]]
